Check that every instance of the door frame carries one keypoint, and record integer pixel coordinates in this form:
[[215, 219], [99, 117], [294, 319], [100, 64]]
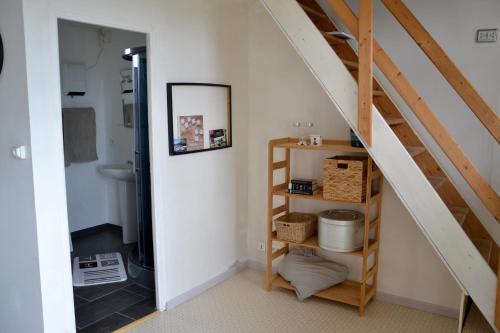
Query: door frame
[[158, 253]]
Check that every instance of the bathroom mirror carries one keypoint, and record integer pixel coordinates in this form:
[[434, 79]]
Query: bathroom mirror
[[199, 117], [127, 87]]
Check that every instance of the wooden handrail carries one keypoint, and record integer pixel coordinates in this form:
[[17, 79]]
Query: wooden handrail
[[365, 70], [449, 146], [446, 66]]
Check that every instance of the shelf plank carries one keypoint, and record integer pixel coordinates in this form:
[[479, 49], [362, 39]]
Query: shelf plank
[[312, 243], [317, 196], [348, 292], [328, 145]]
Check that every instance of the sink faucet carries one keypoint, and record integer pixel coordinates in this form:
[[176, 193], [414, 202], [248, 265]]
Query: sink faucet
[[132, 166]]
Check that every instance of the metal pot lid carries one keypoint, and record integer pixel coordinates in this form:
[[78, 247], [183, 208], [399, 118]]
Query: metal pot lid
[[341, 215]]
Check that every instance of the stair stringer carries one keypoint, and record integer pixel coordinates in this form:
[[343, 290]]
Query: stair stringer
[[455, 249]]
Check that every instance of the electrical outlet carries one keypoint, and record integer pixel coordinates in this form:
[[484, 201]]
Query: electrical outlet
[[261, 246]]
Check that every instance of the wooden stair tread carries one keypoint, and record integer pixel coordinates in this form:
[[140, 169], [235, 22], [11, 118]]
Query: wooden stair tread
[[394, 121], [313, 11], [415, 150], [349, 63], [460, 214], [341, 35], [332, 39], [484, 246], [436, 182]]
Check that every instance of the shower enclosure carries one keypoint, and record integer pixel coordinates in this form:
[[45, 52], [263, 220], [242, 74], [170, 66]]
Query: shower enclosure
[[141, 258]]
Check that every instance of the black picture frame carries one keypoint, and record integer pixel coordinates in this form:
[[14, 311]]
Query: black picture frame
[[170, 115], [1, 54]]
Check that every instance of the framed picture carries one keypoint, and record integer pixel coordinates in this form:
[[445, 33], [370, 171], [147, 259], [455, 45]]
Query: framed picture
[[199, 117]]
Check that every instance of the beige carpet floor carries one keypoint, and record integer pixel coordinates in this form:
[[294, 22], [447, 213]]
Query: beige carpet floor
[[241, 304]]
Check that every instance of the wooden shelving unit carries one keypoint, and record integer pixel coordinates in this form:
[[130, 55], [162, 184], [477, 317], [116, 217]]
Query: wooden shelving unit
[[356, 293]]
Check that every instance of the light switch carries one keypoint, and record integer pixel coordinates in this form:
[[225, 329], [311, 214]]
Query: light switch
[[19, 152]]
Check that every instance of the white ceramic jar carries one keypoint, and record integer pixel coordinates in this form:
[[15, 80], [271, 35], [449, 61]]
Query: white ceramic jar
[[341, 230]]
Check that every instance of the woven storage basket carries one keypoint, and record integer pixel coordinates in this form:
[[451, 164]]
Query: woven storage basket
[[344, 178], [296, 227]]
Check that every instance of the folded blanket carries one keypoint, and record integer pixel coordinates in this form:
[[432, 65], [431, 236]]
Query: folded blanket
[[309, 273]]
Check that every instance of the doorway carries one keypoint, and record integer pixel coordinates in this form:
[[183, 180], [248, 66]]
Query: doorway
[[106, 149]]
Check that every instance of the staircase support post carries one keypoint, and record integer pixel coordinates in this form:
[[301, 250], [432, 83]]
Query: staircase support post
[[365, 72]]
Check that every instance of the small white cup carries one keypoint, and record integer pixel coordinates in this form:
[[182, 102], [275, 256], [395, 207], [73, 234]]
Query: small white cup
[[315, 140]]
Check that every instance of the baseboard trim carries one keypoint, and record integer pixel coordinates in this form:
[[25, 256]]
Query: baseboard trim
[[96, 229], [418, 305], [234, 269], [256, 265]]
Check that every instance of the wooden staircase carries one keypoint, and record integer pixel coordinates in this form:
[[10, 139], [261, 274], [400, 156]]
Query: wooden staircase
[[439, 180], [456, 204]]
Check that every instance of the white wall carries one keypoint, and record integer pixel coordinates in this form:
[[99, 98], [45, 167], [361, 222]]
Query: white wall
[[19, 280], [282, 91], [92, 198], [188, 41]]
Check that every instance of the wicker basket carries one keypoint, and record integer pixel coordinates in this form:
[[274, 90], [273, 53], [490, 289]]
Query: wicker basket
[[296, 227], [344, 178]]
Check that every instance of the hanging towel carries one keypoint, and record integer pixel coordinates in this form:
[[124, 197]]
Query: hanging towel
[[79, 135]]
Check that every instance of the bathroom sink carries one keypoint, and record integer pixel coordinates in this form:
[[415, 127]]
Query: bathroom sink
[[122, 172]]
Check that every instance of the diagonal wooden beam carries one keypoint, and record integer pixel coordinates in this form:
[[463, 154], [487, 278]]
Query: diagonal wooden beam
[[423, 112], [365, 70], [446, 66]]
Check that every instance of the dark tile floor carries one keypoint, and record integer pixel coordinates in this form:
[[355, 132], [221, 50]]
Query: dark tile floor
[[107, 307]]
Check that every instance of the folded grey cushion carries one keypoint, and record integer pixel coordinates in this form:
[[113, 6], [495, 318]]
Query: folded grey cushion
[[309, 273]]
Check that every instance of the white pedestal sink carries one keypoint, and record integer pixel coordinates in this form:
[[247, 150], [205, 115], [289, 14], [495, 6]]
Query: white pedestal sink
[[124, 174], [117, 171]]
